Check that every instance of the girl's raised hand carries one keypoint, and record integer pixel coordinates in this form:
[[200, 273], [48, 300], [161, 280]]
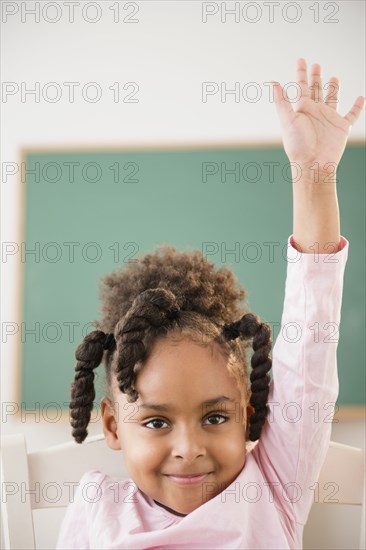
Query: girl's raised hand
[[313, 131]]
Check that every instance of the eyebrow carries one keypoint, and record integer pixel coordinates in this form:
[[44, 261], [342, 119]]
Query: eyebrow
[[165, 407]]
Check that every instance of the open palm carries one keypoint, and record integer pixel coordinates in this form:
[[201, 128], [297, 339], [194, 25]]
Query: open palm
[[313, 131]]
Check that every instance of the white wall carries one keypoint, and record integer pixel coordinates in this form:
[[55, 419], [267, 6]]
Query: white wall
[[169, 52]]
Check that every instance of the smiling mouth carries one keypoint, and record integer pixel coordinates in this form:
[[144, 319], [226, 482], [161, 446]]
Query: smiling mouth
[[190, 475], [188, 479]]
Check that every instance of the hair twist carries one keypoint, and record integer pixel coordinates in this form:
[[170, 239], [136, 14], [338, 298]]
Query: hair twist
[[151, 310], [109, 342], [249, 326], [89, 355]]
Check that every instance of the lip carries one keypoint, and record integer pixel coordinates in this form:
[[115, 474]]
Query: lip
[[188, 479]]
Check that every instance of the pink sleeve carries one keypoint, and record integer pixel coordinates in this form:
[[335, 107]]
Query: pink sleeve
[[304, 386], [74, 531], [342, 243]]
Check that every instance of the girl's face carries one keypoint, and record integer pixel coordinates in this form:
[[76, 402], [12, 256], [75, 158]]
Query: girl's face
[[174, 430]]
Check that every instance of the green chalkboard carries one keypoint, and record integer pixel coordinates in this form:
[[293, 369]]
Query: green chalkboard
[[88, 212]]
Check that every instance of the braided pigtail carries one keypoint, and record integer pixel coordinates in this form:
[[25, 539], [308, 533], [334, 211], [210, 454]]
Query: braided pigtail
[[249, 326], [149, 316], [89, 355]]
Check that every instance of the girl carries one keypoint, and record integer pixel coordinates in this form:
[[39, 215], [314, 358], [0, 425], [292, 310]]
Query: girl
[[182, 406]]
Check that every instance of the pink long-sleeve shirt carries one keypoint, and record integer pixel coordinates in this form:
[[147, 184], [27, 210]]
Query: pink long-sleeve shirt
[[267, 505]]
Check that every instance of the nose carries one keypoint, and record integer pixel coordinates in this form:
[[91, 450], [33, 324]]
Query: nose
[[188, 443]]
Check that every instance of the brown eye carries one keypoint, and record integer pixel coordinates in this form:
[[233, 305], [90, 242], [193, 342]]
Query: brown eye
[[218, 416], [154, 420]]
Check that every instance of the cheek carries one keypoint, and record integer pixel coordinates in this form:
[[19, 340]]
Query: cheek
[[144, 465], [235, 440], [232, 446], [142, 453]]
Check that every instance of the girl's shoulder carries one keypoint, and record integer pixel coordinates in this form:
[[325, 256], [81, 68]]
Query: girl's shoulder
[[103, 497], [96, 486], [93, 476], [89, 487], [98, 478]]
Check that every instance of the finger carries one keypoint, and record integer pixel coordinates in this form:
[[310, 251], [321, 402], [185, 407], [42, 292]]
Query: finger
[[332, 99], [316, 83], [301, 77], [355, 112], [283, 103]]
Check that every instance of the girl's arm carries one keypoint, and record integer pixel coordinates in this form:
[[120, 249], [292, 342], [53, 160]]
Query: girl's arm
[[314, 138], [304, 388]]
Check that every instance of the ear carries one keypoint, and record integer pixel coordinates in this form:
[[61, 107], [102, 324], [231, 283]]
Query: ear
[[110, 426]]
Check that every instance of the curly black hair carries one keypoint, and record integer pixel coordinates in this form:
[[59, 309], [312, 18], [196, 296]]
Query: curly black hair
[[166, 293]]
